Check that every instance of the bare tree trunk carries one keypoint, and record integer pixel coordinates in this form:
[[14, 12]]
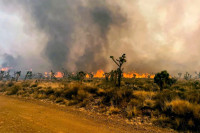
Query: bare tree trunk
[[119, 78]]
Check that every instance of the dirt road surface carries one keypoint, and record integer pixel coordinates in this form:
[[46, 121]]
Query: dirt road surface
[[29, 116]]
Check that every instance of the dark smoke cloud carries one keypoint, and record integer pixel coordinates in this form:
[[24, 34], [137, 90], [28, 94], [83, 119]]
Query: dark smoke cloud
[[10, 61], [82, 34], [59, 19]]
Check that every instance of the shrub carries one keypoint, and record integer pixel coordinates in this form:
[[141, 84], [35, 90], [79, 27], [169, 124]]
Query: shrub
[[49, 91], [59, 100], [192, 96], [162, 121], [185, 113], [143, 94], [10, 84], [73, 102], [113, 110], [180, 107], [2, 84], [101, 92], [52, 97], [165, 96], [162, 79], [26, 84], [41, 96], [136, 103], [131, 112], [13, 90], [70, 92], [81, 95], [90, 89], [34, 85], [108, 96]]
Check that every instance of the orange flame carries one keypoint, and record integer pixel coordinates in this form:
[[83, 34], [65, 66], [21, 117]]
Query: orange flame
[[59, 75], [6, 68], [46, 74], [137, 75], [99, 74], [87, 76]]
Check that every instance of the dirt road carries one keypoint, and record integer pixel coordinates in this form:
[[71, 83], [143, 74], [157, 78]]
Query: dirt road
[[21, 116]]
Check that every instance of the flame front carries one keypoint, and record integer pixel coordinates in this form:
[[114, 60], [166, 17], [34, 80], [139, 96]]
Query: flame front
[[137, 75], [99, 74]]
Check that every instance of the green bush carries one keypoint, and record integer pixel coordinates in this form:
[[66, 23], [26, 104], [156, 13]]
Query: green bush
[[163, 80]]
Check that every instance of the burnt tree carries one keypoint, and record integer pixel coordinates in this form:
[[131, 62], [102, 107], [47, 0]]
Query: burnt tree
[[106, 76], [119, 62]]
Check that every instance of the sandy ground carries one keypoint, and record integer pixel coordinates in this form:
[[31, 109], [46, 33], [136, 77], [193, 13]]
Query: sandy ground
[[31, 116]]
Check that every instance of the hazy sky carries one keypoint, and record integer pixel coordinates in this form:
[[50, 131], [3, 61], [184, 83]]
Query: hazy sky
[[82, 34]]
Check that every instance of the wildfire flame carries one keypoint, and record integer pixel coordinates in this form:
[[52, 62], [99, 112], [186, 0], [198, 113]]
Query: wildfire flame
[[87, 76], [6, 68], [137, 75], [99, 74], [59, 75], [46, 74]]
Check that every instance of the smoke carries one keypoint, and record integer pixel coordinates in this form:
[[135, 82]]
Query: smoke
[[9, 60], [82, 34]]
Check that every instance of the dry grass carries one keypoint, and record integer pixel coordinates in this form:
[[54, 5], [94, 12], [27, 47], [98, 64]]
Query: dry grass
[[176, 107], [113, 110]]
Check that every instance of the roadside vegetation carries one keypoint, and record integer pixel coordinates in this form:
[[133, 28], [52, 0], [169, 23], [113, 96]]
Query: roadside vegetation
[[176, 105]]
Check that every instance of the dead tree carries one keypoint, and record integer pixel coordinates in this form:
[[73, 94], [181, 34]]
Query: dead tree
[[81, 76], [52, 75], [119, 62], [187, 76], [17, 75], [29, 75], [115, 76], [198, 75], [112, 73], [106, 76], [7, 76], [134, 76], [179, 75], [65, 73], [39, 76], [149, 76], [90, 75], [2, 75]]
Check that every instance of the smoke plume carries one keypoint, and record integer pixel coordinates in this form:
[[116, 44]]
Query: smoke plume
[[82, 34]]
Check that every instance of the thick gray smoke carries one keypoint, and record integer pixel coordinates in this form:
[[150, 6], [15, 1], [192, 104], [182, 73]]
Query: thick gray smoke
[[83, 25], [82, 34], [9, 60]]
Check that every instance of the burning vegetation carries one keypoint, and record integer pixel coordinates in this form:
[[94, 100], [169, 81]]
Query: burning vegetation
[[99, 74], [79, 35], [159, 99]]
